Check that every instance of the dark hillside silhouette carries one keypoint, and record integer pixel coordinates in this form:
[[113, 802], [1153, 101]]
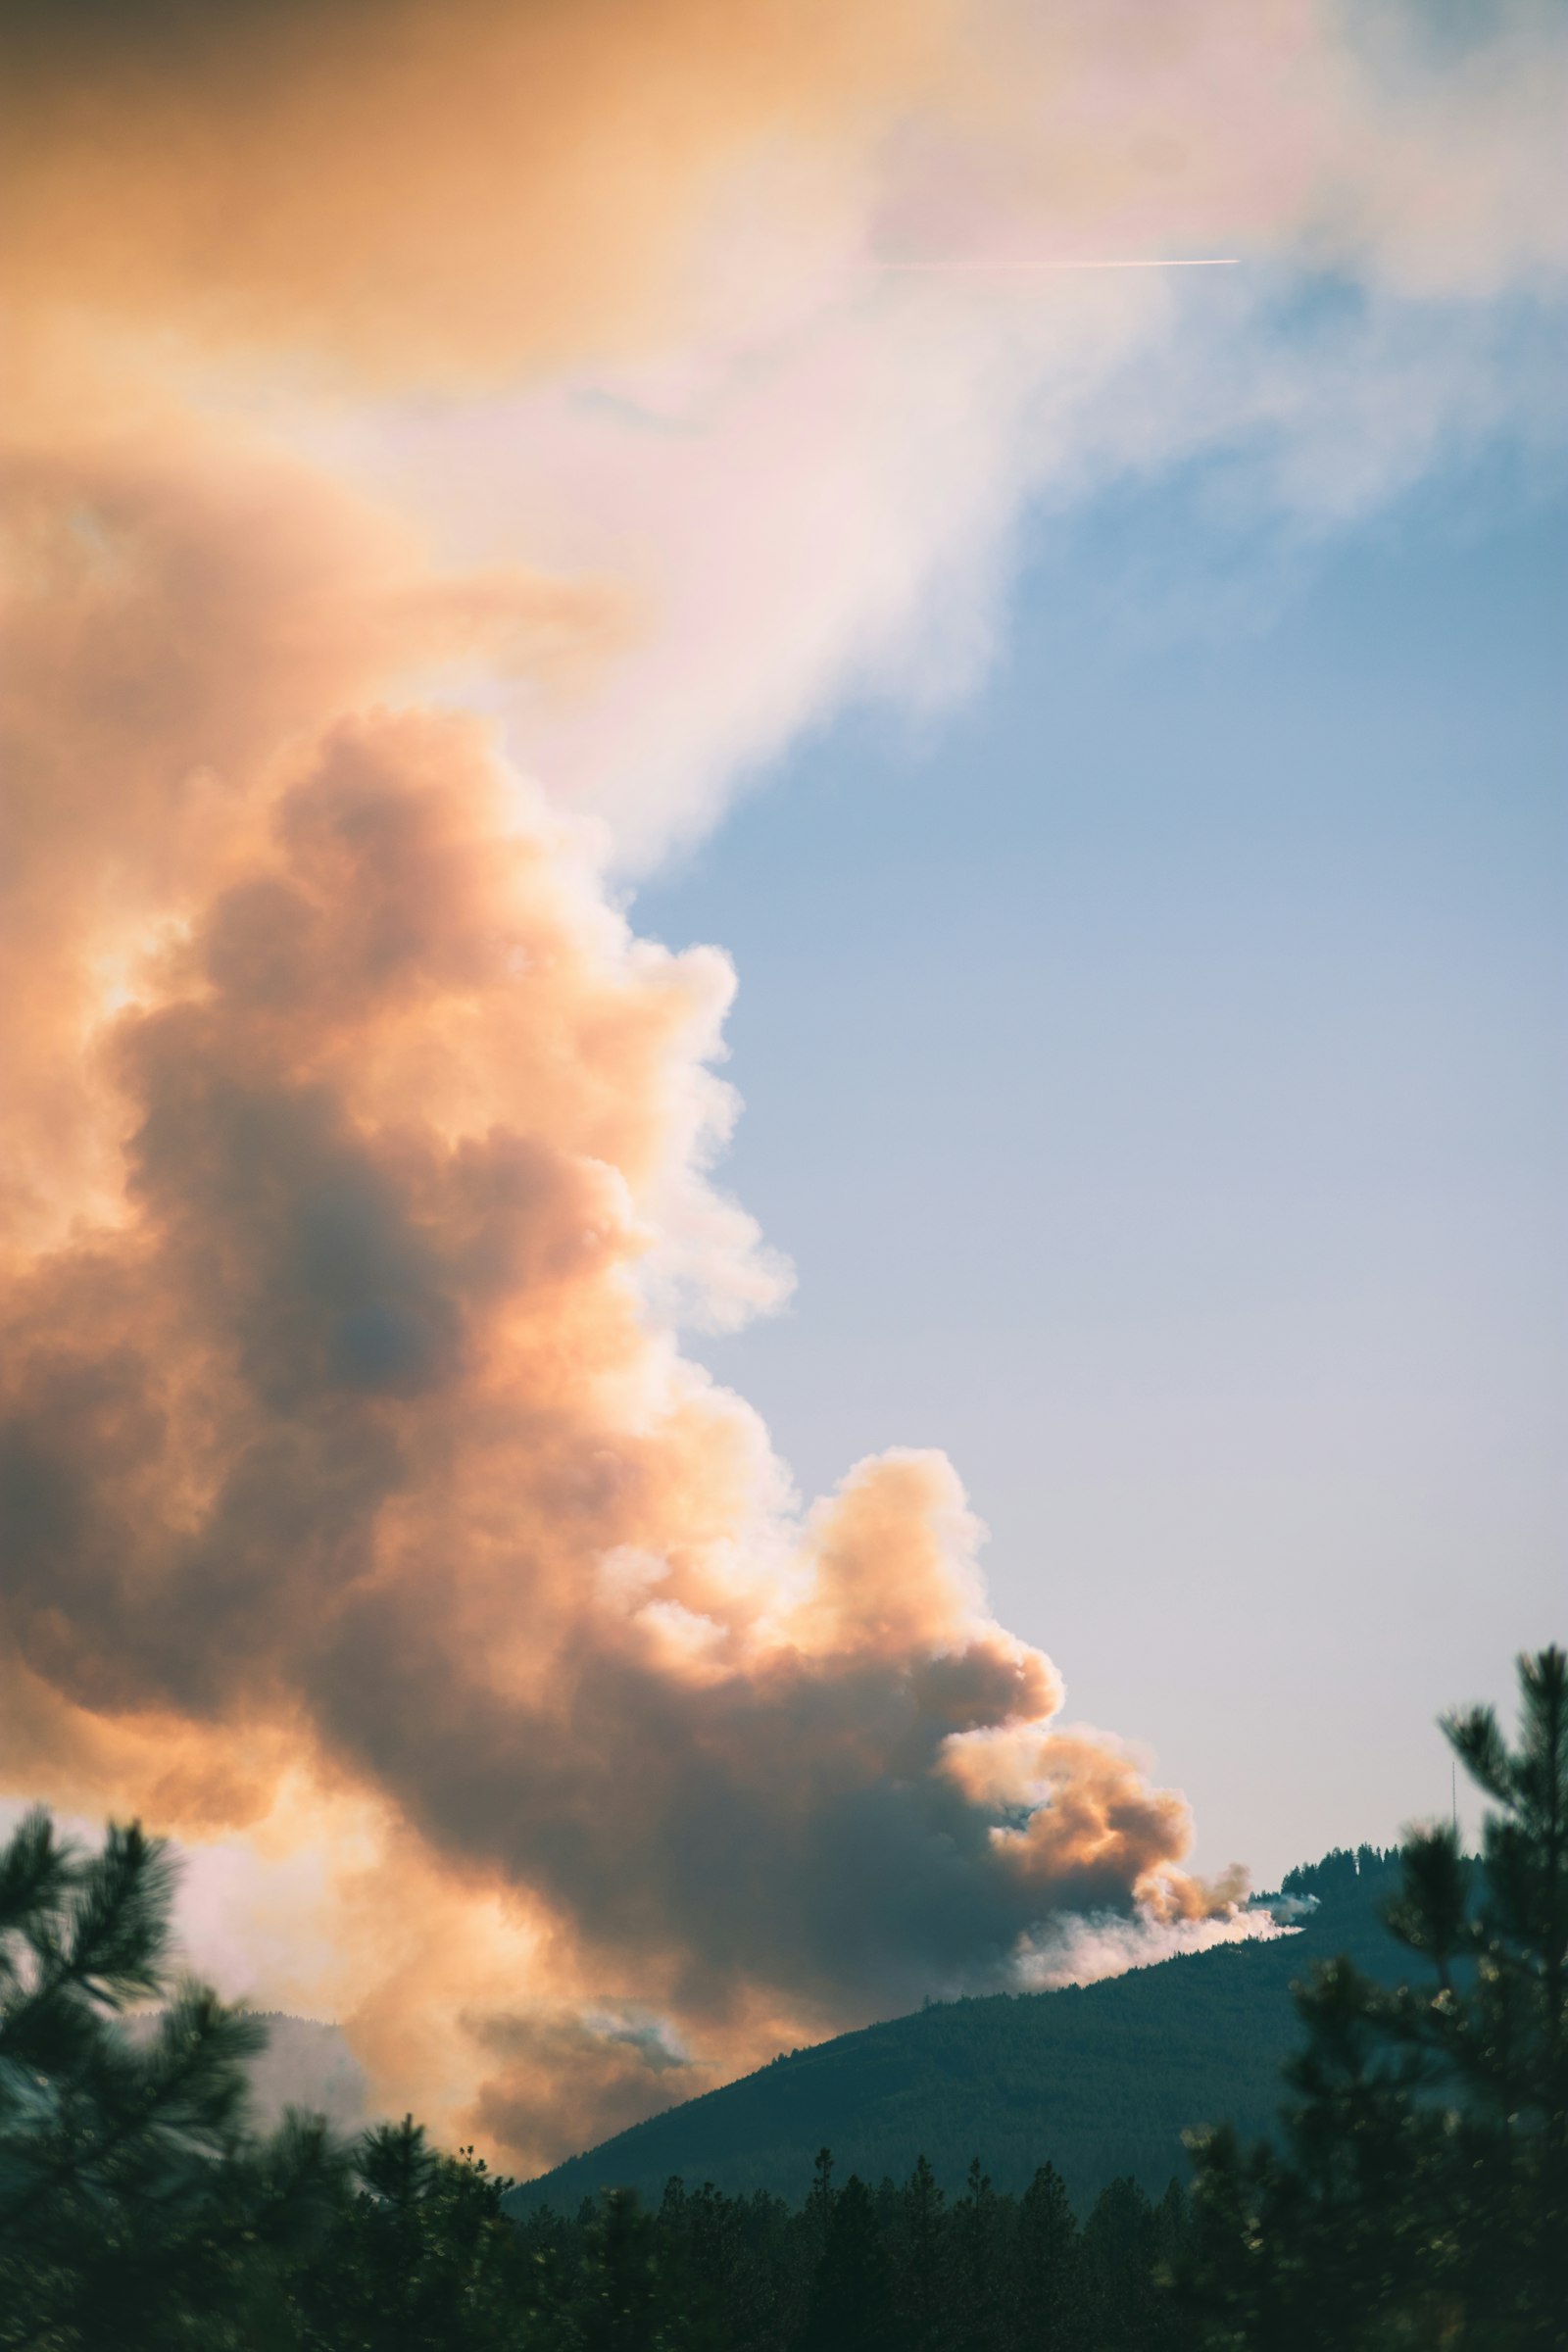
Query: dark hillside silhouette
[[1103, 2078]]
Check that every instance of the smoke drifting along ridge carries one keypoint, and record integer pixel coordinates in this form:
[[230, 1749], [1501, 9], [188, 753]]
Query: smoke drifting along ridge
[[344, 1436], [363, 1524]]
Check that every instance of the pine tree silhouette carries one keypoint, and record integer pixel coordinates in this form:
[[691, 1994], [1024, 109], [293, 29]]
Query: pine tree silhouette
[[134, 2199], [1422, 2194]]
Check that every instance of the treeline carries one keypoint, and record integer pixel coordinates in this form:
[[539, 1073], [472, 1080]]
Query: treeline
[[1370, 1869], [1414, 2195], [856, 2269]]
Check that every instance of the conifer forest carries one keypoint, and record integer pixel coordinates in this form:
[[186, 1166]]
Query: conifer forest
[[1413, 2191]]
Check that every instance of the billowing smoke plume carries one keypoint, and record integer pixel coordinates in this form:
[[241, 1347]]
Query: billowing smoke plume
[[344, 1444], [360, 1517]]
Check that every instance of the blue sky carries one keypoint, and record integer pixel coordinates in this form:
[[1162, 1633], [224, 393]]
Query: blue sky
[[1154, 1067]]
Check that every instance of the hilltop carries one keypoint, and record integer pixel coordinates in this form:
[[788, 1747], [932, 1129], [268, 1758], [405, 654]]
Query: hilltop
[[307, 2064], [1101, 2080]]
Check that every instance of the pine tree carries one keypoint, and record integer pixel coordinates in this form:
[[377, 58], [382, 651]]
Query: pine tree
[[820, 2199], [136, 2208], [1421, 2193], [1050, 2298], [852, 2308], [922, 2247], [421, 2258], [622, 2308], [1120, 2244], [975, 2249]]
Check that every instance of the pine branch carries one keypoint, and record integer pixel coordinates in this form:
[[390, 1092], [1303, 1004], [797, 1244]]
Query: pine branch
[[187, 2093], [1482, 1749], [37, 1871]]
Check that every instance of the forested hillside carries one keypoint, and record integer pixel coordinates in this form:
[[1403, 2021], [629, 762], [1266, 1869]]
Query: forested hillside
[[1410, 2187], [1099, 2079]]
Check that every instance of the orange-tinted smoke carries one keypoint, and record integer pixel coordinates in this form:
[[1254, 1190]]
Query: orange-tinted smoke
[[336, 1440], [394, 183], [353, 1498]]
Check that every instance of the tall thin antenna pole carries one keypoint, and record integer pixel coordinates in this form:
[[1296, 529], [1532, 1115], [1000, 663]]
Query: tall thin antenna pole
[[1454, 1795]]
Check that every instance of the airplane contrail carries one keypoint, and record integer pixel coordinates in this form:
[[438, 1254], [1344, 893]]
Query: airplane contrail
[[1228, 261]]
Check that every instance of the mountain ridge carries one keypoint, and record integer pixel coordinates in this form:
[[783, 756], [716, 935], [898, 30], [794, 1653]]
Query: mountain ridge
[[1101, 2080]]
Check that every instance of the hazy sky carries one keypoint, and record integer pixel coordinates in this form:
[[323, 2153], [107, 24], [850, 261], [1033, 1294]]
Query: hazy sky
[[518, 517], [1157, 1071]]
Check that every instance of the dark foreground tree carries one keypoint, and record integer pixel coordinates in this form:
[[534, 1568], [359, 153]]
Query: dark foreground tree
[[1421, 2196], [1051, 2283], [139, 2210], [135, 2209], [420, 2258], [851, 2306]]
